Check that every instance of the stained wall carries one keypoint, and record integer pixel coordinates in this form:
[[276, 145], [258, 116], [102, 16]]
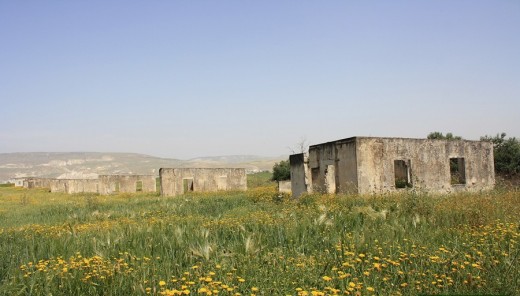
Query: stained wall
[[109, 184], [72, 186], [176, 181], [372, 165]]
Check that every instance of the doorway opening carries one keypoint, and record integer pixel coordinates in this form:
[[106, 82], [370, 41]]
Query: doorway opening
[[187, 185]]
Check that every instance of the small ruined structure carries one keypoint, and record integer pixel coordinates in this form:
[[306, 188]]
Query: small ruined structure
[[175, 181], [18, 182], [73, 186], [106, 184], [284, 186], [33, 182], [376, 165], [109, 184]]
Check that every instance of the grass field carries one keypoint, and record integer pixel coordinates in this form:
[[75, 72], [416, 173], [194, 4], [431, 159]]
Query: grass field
[[259, 243]]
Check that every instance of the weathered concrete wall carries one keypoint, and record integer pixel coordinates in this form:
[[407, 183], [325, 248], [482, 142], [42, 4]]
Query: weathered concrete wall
[[429, 162], [109, 184], [72, 186], [300, 174], [106, 184], [371, 165], [284, 186], [18, 182], [37, 183], [178, 181], [319, 159], [334, 166], [59, 185], [346, 166], [83, 186]]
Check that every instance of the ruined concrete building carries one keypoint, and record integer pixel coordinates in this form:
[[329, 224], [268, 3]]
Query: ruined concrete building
[[109, 184], [73, 186], [18, 182], [30, 182], [106, 184], [377, 165], [175, 181]]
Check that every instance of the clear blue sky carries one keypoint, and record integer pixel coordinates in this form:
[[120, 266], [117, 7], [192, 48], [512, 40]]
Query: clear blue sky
[[184, 79]]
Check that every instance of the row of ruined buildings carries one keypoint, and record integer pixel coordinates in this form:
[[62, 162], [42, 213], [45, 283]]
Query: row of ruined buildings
[[171, 182], [360, 165]]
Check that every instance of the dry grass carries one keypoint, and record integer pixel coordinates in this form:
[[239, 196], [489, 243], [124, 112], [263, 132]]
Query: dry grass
[[260, 243]]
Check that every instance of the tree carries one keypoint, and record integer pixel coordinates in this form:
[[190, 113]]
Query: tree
[[441, 136], [507, 154], [281, 171]]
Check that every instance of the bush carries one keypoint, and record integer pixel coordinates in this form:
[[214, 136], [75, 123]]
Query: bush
[[441, 136], [282, 171], [507, 154]]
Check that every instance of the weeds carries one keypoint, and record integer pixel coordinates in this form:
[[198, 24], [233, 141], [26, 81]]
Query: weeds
[[260, 243]]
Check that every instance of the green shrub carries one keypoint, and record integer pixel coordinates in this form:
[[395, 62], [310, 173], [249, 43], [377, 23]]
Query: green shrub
[[282, 171], [506, 153]]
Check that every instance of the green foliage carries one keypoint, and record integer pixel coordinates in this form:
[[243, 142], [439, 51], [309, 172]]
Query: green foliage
[[402, 183], [282, 171], [507, 154], [441, 136], [402, 244]]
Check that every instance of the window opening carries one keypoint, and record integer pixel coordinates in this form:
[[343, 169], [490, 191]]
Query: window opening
[[187, 185], [402, 174], [139, 186], [457, 171]]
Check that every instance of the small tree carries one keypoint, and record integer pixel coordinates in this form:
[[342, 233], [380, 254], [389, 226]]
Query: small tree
[[282, 171], [507, 154], [441, 136]]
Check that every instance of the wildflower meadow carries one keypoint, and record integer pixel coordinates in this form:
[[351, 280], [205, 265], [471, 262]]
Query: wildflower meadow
[[259, 242]]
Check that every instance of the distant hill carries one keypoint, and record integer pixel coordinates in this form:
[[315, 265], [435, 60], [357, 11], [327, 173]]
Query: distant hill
[[72, 165]]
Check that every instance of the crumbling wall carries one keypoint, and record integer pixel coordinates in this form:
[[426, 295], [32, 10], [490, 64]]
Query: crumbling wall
[[83, 186], [284, 186], [429, 164], [59, 185], [18, 182], [176, 181], [333, 167], [319, 158], [376, 165], [109, 184], [346, 166], [34, 182], [300, 174], [72, 186]]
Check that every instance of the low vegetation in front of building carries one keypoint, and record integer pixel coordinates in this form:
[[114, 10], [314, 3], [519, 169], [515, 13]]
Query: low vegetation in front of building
[[259, 243]]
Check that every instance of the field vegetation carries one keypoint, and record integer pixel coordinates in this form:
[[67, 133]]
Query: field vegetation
[[259, 243]]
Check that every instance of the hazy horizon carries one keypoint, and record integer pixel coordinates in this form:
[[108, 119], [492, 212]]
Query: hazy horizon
[[144, 154], [193, 79]]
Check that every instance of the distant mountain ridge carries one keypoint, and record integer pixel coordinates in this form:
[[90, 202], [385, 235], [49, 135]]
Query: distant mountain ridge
[[78, 165]]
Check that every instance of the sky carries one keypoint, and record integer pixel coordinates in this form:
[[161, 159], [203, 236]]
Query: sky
[[185, 79]]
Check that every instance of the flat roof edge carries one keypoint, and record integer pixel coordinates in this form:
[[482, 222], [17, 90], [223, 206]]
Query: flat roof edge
[[351, 139]]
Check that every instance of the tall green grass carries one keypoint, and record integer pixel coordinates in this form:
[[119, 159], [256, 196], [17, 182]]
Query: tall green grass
[[258, 243]]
